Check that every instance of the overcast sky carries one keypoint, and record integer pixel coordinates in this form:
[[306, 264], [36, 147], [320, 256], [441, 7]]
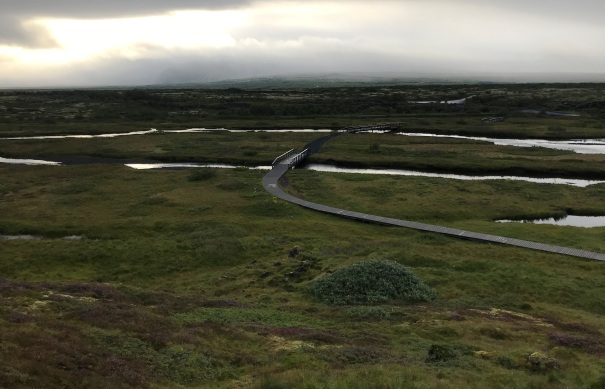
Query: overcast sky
[[138, 42]]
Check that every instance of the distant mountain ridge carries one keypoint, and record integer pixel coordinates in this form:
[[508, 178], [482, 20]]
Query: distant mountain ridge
[[321, 81], [326, 80]]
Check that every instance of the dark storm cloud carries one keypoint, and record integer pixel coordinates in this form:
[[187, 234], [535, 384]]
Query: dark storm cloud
[[15, 31]]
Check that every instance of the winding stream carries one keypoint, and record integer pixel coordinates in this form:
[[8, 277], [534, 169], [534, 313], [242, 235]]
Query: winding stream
[[569, 220], [580, 146], [329, 169], [399, 172], [155, 131], [110, 135], [17, 161]]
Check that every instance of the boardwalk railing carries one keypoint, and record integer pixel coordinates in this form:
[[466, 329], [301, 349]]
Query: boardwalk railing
[[298, 158], [285, 155], [375, 127]]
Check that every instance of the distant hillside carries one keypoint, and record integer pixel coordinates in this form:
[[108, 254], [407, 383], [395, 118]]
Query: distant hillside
[[369, 79], [321, 81]]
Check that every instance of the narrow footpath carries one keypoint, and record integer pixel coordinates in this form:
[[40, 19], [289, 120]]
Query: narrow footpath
[[290, 159]]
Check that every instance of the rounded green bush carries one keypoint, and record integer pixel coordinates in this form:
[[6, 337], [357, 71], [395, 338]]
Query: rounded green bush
[[370, 282]]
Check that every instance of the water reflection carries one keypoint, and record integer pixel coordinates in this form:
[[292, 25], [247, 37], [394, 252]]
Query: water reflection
[[111, 135], [155, 131], [569, 220], [15, 161], [205, 130], [561, 181], [148, 166], [324, 168], [581, 146], [453, 102], [35, 237]]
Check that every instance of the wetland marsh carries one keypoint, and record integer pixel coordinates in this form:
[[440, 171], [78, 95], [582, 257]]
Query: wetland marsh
[[192, 279]]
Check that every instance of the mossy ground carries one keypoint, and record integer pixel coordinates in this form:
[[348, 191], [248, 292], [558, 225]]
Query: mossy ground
[[186, 282], [181, 282]]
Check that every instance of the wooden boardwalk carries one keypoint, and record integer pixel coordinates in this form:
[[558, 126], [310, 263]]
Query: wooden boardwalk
[[270, 183]]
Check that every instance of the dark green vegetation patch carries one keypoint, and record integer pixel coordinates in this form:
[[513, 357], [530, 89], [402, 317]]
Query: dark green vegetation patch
[[371, 283]]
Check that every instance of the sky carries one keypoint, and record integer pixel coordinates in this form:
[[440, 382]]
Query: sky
[[46, 43]]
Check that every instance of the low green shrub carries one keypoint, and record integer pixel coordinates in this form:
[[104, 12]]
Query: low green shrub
[[370, 282]]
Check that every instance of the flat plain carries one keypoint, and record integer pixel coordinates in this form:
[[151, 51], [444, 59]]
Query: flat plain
[[198, 278]]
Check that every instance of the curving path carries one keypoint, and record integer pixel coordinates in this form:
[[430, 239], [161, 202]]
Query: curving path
[[287, 160]]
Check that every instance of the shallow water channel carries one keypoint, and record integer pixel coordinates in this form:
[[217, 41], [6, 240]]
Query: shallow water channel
[[580, 146], [76, 136], [36, 237], [155, 131], [17, 161], [569, 220], [399, 172], [396, 172], [329, 169], [584, 146], [149, 166]]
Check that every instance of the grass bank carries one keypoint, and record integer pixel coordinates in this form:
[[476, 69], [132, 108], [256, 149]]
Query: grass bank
[[461, 156]]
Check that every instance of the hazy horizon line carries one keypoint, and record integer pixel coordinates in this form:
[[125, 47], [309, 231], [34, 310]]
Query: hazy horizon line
[[366, 77]]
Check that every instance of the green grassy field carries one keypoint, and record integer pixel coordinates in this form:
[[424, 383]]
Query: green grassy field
[[359, 150], [24, 112], [185, 278], [457, 156], [219, 146]]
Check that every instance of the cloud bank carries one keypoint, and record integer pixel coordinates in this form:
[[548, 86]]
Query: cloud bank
[[67, 42]]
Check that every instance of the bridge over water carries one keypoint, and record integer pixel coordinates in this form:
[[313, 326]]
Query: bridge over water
[[291, 158]]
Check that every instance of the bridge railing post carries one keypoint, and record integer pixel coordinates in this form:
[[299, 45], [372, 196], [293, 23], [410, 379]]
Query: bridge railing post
[[282, 157], [298, 158]]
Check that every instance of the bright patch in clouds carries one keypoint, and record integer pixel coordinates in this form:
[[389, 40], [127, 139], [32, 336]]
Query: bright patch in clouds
[[89, 45], [131, 38]]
